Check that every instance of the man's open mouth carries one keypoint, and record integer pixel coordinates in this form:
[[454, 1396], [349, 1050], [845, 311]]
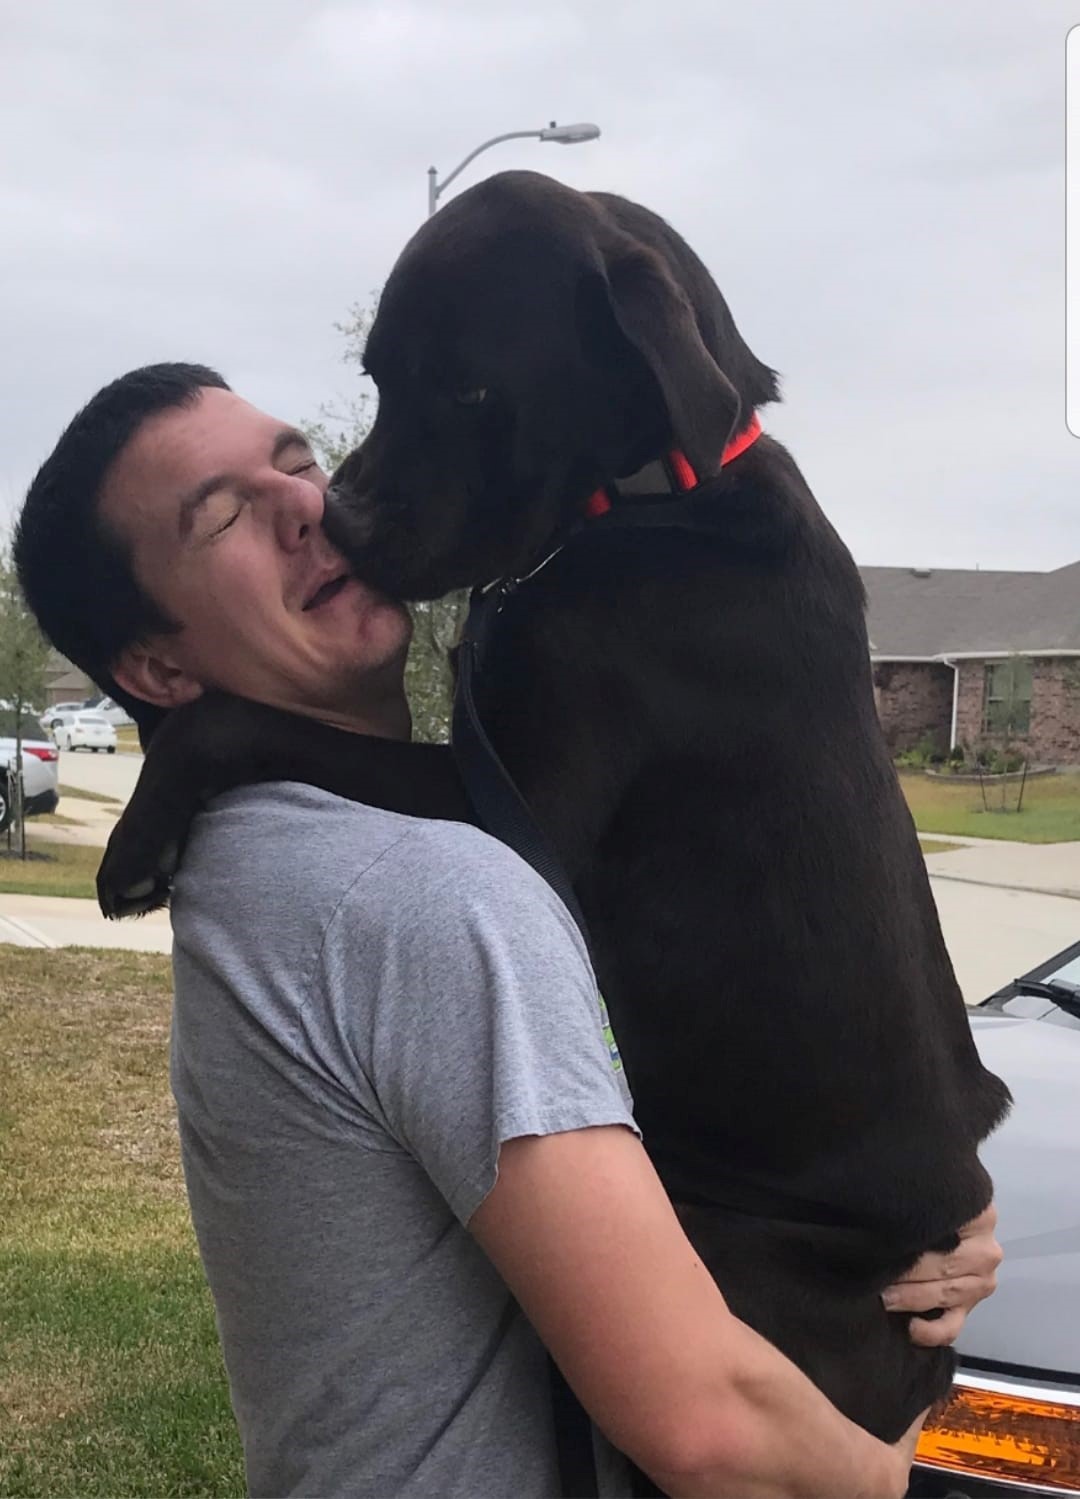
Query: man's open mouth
[[328, 591]]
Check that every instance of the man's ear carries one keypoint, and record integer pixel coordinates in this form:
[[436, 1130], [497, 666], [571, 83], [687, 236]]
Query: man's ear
[[146, 672]]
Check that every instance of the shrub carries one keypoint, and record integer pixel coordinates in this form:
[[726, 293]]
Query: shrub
[[909, 759], [928, 751]]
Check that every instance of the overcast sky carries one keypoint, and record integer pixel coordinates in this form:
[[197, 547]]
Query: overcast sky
[[878, 188]]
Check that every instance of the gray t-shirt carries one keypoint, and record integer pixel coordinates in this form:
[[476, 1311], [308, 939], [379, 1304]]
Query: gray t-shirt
[[367, 1006]]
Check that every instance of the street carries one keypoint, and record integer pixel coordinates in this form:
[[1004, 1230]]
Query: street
[[109, 775]]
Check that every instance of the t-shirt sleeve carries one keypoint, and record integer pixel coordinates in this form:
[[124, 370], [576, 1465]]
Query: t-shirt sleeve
[[484, 1022]]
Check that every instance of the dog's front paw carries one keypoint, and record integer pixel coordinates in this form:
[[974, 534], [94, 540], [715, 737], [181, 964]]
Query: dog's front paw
[[137, 871]]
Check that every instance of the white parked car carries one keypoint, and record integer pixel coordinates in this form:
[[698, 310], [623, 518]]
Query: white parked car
[[41, 776], [51, 716], [110, 710], [86, 729]]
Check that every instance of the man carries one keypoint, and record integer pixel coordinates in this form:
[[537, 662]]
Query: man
[[400, 1118]]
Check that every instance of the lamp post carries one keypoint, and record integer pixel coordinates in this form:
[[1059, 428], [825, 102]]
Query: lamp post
[[564, 135]]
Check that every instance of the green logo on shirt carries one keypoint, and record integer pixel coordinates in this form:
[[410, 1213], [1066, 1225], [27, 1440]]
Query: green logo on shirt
[[609, 1036]]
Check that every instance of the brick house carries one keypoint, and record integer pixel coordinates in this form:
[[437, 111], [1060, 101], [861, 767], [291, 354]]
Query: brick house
[[977, 658], [65, 683]]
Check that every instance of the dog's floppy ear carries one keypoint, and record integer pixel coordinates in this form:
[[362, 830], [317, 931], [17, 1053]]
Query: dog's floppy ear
[[653, 312]]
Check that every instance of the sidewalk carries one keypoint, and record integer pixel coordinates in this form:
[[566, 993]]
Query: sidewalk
[[1003, 906], [60, 921], [1039, 868], [91, 825]]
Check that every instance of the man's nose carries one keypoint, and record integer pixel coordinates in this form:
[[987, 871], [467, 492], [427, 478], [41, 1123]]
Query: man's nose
[[299, 509]]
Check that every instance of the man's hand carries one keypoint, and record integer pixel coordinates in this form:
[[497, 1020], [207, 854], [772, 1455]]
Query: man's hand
[[956, 1281]]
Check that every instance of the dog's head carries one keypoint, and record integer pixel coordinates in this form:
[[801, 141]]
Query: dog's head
[[531, 344]]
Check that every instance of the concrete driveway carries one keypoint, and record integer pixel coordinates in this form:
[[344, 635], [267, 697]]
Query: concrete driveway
[[1004, 907], [994, 935]]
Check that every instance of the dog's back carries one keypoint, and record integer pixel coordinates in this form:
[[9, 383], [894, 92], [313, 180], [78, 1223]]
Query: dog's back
[[800, 1057]]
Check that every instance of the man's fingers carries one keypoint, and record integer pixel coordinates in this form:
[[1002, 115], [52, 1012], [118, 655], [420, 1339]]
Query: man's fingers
[[956, 1282], [946, 1329], [932, 1268], [977, 1255], [924, 1295]]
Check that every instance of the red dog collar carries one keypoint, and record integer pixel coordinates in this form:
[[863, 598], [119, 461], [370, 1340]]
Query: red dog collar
[[675, 470]]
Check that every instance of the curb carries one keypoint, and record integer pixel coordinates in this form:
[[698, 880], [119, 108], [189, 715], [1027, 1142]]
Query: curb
[[967, 879], [20, 935]]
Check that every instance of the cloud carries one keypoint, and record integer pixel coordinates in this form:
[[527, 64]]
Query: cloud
[[879, 191]]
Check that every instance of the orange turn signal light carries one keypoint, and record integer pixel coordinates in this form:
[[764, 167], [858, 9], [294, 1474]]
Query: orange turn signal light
[[1003, 1430]]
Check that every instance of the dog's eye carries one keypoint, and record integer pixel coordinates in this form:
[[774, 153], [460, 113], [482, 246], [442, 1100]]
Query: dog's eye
[[471, 397]]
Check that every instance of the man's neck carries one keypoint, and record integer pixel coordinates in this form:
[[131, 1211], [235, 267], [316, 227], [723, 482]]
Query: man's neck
[[387, 721]]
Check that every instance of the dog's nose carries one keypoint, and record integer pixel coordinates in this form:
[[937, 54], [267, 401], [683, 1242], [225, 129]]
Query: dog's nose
[[336, 503], [347, 520]]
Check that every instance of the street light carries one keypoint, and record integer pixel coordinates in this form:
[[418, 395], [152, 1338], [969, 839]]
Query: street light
[[563, 135]]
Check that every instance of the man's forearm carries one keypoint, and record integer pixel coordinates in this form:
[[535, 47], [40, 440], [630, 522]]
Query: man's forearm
[[734, 1445], [580, 1228]]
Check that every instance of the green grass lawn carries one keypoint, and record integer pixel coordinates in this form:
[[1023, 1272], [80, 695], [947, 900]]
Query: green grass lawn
[[65, 869], [1051, 811], [937, 846], [111, 1382]]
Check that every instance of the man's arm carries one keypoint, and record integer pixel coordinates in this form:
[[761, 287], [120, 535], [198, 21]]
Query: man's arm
[[581, 1230]]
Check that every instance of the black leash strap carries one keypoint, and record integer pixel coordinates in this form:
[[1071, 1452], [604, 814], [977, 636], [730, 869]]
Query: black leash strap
[[504, 813], [573, 1439], [499, 805]]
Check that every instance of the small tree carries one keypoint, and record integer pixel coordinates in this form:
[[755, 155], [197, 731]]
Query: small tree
[[24, 653], [342, 426]]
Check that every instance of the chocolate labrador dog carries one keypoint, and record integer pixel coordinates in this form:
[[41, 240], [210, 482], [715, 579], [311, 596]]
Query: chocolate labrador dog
[[686, 703]]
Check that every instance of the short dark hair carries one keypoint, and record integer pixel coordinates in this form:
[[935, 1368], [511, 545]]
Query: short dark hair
[[75, 573]]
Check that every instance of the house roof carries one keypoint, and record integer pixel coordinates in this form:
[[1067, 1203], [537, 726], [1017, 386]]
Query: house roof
[[72, 680], [922, 613], [60, 672]]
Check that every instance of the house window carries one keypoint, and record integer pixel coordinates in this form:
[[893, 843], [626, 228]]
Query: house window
[[1007, 700]]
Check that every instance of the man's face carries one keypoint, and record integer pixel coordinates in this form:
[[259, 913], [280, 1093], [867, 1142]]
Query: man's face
[[221, 506]]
